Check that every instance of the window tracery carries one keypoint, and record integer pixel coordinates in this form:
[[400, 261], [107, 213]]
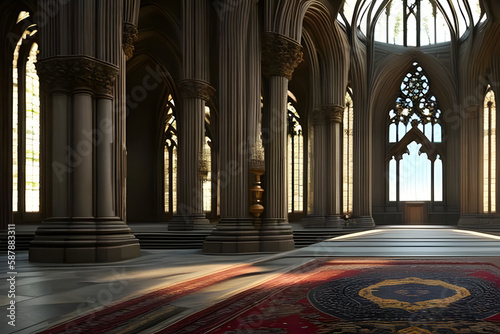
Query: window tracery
[[415, 155], [26, 124], [295, 161]]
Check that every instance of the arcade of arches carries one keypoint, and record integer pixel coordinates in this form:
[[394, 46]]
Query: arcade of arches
[[242, 117]]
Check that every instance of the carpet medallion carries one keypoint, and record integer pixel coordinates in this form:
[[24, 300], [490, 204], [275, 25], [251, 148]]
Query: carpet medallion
[[326, 296]]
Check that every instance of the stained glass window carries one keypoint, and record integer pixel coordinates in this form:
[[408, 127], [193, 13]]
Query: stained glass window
[[489, 152], [26, 129], [207, 174], [295, 161], [170, 159], [348, 136], [421, 22], [32, 171], [415, 165]]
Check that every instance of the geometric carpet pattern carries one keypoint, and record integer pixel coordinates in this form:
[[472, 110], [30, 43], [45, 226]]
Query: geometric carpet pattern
[[388, 296]]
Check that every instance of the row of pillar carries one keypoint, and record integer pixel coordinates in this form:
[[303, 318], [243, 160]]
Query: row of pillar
[[86, 219]]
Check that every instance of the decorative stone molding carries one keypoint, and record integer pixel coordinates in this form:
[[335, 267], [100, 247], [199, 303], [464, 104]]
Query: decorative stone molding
[[129, 37], [78, 72], [318, 117], [196, 89], [280, 55], [334, 112]]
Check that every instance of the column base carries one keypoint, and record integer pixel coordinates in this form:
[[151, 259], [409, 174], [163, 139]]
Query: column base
[[334, 221], [189, 223], [363, 221], [276, 235], [83, 242], [233, 236], [478, 221]]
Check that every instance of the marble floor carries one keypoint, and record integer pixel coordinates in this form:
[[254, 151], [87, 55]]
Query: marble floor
[[50, 294]]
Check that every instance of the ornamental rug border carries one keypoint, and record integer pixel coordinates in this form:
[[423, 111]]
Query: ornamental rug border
[[150, 308], [283, 304]]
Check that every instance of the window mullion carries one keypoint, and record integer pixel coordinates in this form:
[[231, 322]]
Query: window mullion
[[21, 98]]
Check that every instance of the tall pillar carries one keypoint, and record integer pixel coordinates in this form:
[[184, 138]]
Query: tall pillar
[[195, 91], [80, 71], [470, 193], [334, 167], [280, 57], [235, 233], [190, 216], [317, 217], [362, 195]]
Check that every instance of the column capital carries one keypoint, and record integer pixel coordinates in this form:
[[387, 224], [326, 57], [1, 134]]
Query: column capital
[[196, 89], [129, 37], [78, 72], [280, 55], [334, 112]]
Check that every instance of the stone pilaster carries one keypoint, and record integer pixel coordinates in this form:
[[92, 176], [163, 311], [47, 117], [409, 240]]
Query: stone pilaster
[[334, 114], [280, 57], [316, 218], [83, 225], [471, 164], [362, 196]]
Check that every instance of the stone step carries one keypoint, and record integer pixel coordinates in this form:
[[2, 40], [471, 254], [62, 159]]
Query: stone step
[[181, 240]]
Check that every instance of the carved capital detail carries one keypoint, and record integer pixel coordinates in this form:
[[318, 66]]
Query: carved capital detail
[[318, 117], [129, 37], [78, 72], [334, 112], [280, 55], [197, 89]]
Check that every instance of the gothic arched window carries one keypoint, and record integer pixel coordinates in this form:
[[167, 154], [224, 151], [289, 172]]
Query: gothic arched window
[[26, 124], [170, 159], [295, 160], [415, 158], [421, 22], [489, 152], [348, 136], [206, 165]]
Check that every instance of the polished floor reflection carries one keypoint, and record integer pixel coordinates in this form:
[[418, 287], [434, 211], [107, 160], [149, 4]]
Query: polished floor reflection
[[51, 294]]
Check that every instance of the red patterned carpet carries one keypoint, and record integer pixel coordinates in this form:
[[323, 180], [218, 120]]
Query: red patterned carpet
[[134, 315], [404, 297], [324, 296]]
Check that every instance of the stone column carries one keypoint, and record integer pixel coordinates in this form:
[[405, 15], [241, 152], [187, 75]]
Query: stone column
[[190, 216], [195, 91], [235, 233], [317, 217], [78, 65], [471, 164], [280, 57], [334, 165], [362, 196]]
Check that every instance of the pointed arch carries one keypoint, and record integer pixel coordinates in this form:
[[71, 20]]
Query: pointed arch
[[415, 153], [26, 125], [489, 149]]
